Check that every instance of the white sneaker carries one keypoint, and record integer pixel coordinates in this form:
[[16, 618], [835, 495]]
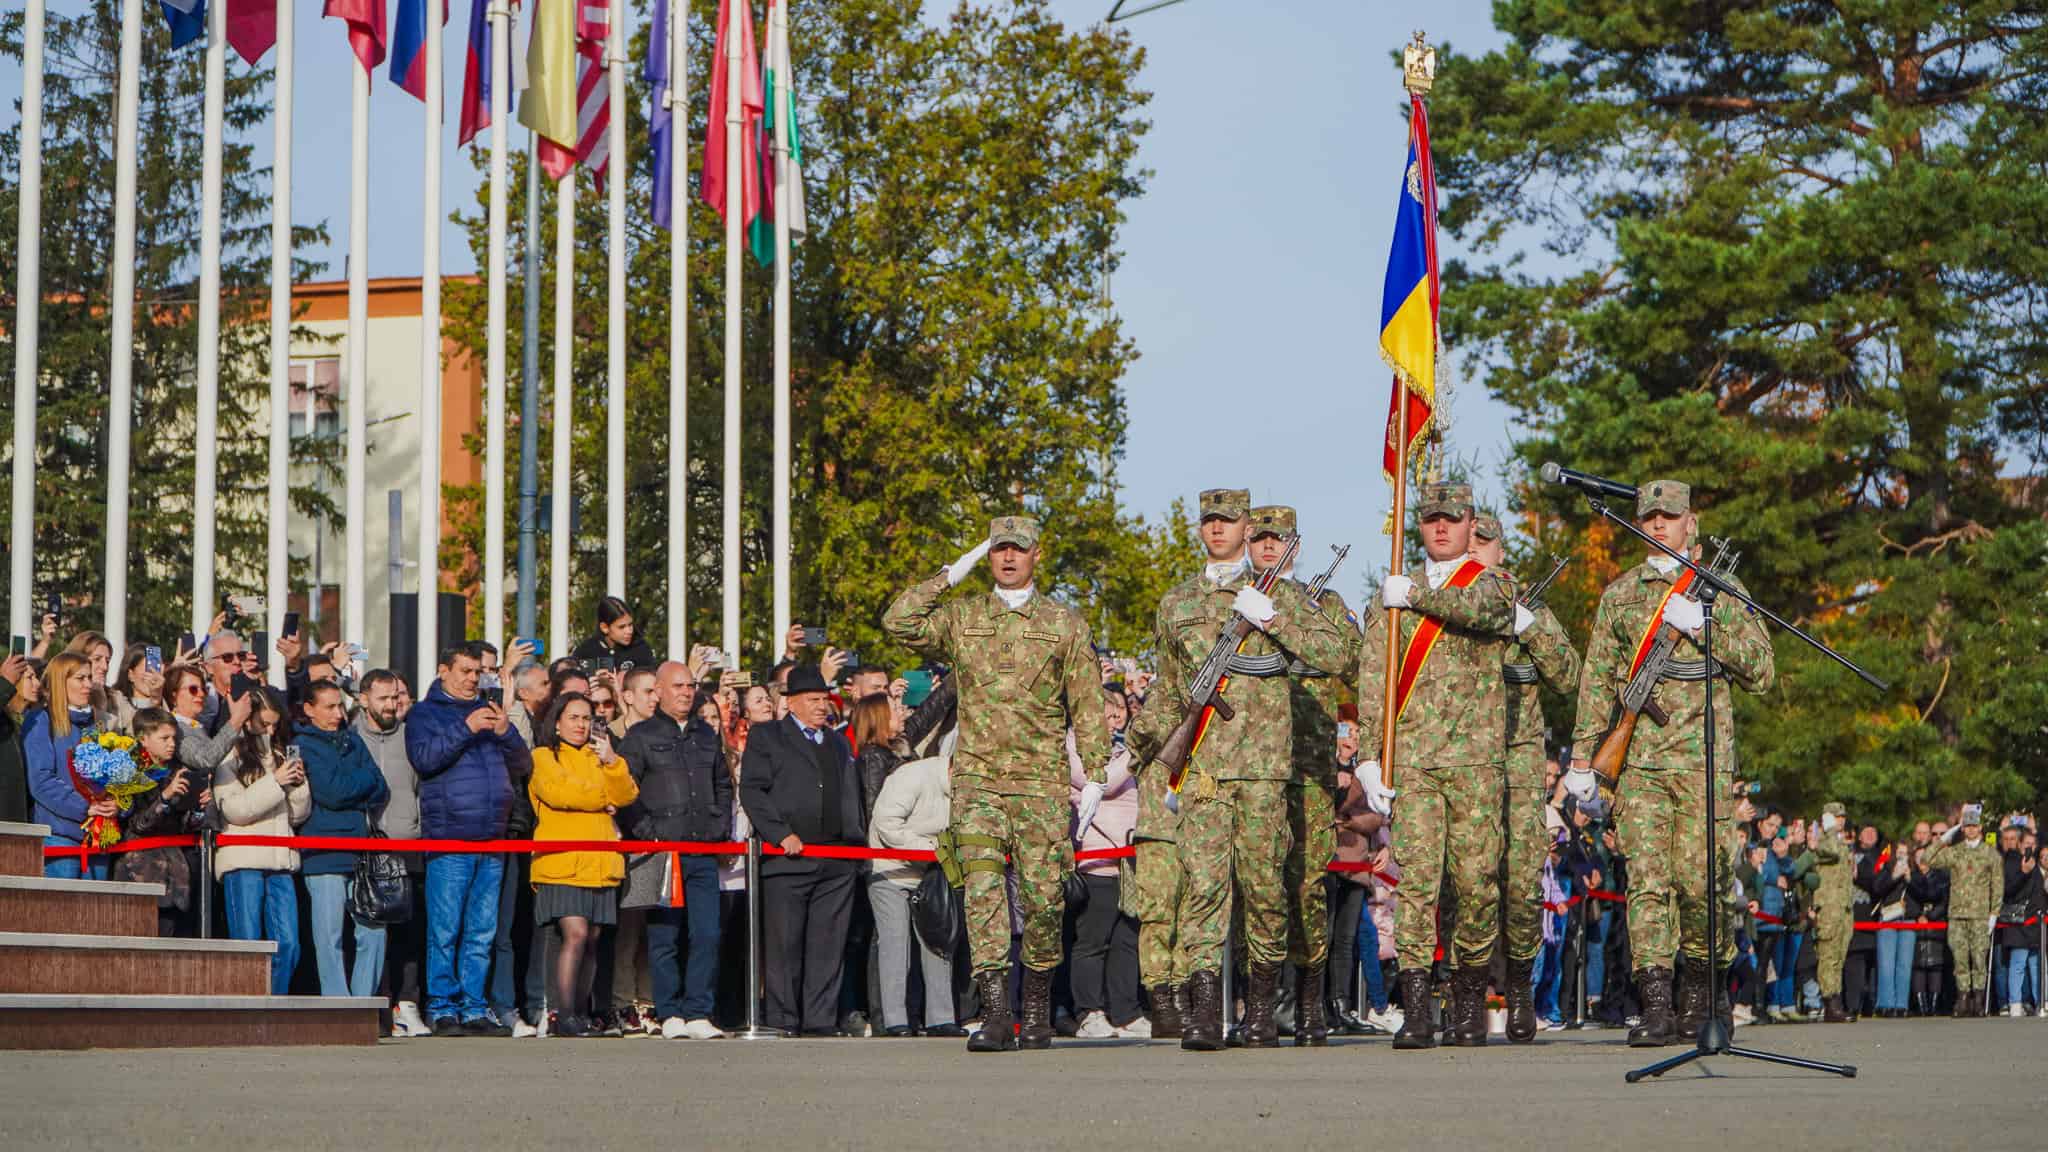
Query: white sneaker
[[675, 1028], [406, 1020], [1744, 1014], [1095, 1026], [1139, 1029], [2015, 1011], [1388, 1021], [701, 1029], [521, 1030]]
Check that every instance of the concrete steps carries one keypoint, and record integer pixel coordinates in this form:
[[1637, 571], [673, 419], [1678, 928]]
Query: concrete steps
[[77, 907], [50, 962], [21, 848], [57, 1020]]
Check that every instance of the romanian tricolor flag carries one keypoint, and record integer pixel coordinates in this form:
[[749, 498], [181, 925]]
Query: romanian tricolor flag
[[1408, 305]]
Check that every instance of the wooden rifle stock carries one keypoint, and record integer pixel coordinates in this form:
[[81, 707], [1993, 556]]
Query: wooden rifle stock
[[1613, 751]]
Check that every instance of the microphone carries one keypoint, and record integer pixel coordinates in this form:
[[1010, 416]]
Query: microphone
[[1591, 485]]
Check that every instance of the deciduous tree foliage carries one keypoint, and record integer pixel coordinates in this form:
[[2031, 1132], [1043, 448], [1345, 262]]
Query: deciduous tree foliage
[[1796, 254]]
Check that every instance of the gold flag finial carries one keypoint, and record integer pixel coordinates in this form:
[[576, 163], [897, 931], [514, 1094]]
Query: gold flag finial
[[1433, 461], [1418, 66]]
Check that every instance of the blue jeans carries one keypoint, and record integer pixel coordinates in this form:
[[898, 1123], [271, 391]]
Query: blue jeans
[[1894, 968], [263, 905], [1548, 978], [1596, 951], [1369, 959], [2022, 969], [1783, 949], [328, 894], [462, 925], [689, 991], [73, 867]]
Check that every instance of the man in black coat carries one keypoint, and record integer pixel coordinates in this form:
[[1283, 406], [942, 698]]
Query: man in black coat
[[800, 791]]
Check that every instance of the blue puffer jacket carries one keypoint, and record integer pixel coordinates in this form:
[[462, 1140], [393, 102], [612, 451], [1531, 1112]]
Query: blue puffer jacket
[[57, 802], [465, 777], [346, 785]]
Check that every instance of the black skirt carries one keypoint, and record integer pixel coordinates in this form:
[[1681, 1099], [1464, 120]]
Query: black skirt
[[551, 902]]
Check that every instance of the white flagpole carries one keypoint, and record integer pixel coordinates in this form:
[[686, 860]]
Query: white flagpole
[[206, 451], [277, 577], [678, 329], [785, 105], [430, 367], [28, 297], [615, 360], [121, 309], [500, 65], [735, 205], [354, 591], [559, 481]]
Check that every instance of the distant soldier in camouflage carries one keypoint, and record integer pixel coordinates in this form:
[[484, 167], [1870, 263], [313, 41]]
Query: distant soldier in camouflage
[[1976, 886], [1161, 963], [1834, 906], [1660, 819], [1450, 749], [1314, 695], [1541, 653], [1233, 818], [1026, 673]]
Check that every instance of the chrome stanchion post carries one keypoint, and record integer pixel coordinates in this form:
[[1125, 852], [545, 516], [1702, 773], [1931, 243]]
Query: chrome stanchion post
[[754, 1031], [206, 884]]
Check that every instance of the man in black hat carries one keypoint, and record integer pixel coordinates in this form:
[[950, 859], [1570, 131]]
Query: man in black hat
[[800, 790]]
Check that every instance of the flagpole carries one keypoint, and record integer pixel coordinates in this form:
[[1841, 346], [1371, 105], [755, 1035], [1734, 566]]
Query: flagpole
[[28, 298], [277, 569], [678, 329], [785, 109], [1399, 521], [354, 592], [430, 365], [615, 360], [500, 65], [529, 394], [206, 419], [735, 208], [565, 342], [121, 310]]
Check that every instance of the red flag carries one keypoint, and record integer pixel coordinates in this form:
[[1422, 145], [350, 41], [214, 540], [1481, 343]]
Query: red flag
[[751, 108], [365, 28], [252, 27]]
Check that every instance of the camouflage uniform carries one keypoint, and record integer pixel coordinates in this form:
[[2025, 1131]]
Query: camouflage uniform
[[1159, 881], [1660, 804], [1976, 887], [1834, 907], [1025, 676]]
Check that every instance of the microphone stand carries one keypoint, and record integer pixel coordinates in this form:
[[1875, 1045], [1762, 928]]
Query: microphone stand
[[1714, 1034]]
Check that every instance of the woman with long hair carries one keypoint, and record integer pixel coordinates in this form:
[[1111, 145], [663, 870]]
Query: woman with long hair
[[21, 688], [99, 658], [136, 686], [578, 786], [910, 805], [48, 736], [617, 638], [261, 790], [185, 696]]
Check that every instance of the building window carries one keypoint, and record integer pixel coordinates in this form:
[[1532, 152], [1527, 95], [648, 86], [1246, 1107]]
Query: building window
[[316, 387]]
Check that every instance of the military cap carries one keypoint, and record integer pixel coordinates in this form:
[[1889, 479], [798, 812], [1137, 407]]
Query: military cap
[[1453, 500], [1019, 530], [1671, 497], [1486, 528], [1836, 809], [1229, 503], [1272, 520]]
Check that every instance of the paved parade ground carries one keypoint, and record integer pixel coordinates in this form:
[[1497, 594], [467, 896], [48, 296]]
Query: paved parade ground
[[1921, 1083]]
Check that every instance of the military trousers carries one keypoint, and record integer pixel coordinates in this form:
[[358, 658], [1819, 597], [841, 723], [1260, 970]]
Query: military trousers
[[1831, 954], [1660, 824], [1032, 832], [1312, 832], [1232, 830], [1528, 842], [1969, 941], [1447, 823], [1159, 884]]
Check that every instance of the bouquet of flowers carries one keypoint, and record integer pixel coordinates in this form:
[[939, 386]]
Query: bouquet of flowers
[[107, 765]]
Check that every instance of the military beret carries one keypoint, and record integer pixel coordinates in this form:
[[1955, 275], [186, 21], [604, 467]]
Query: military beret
[[1486, 528], [1019, 530], [1272, 520], [1229, 503], [1671, 497], [1453, 500]]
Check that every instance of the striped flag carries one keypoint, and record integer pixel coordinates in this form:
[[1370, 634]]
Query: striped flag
[[567, 101], [1408, 301], [409, 46], [660, 125], [476, 74], [715, 175], [365, 19], [779, 99], [187, 19]]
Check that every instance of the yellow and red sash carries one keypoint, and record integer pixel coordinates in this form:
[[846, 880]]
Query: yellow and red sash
[[1649, 639], [1426, 635]]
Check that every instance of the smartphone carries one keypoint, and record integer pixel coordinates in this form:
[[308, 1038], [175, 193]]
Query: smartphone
[[604, 664], [242, 684], [1343, 729], [18, 646], [56, 611], [259, 647], [248, 607], [494, 696], [291, 624], [540, 648], [293, 756], [152, 658], [814, 637], [189, 642], [356, 653], [714, 660], [852, 661]]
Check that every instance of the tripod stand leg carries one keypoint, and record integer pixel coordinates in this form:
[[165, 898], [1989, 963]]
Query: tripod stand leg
[[1847, 1071], [1663, 1066]]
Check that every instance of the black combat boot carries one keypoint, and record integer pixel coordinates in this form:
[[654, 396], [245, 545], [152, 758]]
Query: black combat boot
[[1311, 1028], [1037, 1031], [1468, 1008], [1654, 984], [997, 1033], [1835, 1013], [1416, 1027], [1166, 1011], [1692, 1002], [1521, 1001], [1202, 1027], [1260, 1030]]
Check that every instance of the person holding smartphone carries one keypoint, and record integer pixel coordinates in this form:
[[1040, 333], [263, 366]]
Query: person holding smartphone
[[260, 789], [48, 736], [347, 787], [172, 809], [20, 690], [578, 786]]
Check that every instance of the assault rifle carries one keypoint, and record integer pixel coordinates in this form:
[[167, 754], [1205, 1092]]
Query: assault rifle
[[1534, 596], [1638, 699]]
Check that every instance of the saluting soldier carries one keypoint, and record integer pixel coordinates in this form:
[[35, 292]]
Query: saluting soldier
[[1026, 673], [1976, 886], [1542, 653], [1451, 746], [1312, 791], [1233, 804], [1661, 806], [1834, 907]]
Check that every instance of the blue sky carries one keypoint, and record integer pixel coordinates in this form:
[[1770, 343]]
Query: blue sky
[[1251, 277]]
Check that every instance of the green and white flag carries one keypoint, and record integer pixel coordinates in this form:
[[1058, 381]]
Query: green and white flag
[[778, 93]]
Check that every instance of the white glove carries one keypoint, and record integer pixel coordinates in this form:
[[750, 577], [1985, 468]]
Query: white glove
[[1952, 835], [1993, 925], [1685, 614], [1254, 606], [958, 569], [1523, 618], [1394, 593], [1086, 807], [1582, 784], [1378, 796]]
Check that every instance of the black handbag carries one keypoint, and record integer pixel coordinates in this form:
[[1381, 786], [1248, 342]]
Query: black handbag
[[380, 892], [938, 912]]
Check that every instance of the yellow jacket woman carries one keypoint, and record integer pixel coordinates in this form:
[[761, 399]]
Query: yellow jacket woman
[[574, 796]]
